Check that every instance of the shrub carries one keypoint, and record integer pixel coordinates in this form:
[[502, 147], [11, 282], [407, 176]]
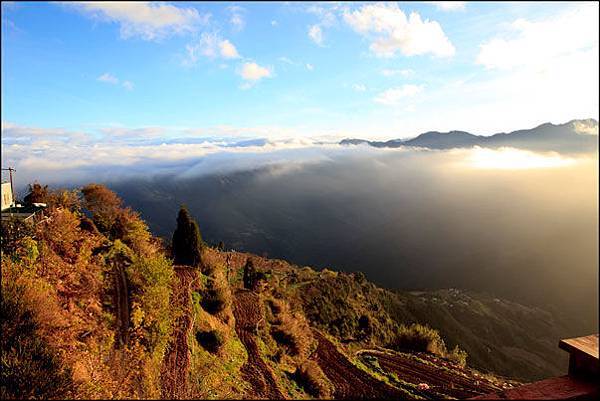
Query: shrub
[[214, 300], [249, 273], [150, 281], [252, 277], [310, 376], [30, 368], [28, 252], [64, 198], [12, 232], [187, 242], [211, 340], [290, 330], [132, 230], [103, 204], [419, 338], [88, 225], [63, 235], [458, 355], [37, 194]]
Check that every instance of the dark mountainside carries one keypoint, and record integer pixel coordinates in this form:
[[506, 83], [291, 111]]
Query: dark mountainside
[[567, 138], [406, 225], [95, 308]]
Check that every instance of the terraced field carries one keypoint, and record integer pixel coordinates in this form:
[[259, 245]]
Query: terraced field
[[349, 381], [430, 377], [247, 312], [174, 375]]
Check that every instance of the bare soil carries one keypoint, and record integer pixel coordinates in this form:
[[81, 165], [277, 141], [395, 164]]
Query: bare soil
[[248, 314], [456, 382], [349, 381], [176, 364], [122, 304]]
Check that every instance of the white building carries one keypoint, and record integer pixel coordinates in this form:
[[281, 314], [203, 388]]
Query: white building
[[7, 196]]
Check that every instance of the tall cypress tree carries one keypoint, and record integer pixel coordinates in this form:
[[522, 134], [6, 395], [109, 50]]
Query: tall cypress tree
[[187, 242]]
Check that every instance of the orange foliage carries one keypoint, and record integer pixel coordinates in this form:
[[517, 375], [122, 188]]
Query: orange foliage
[[62, 234], [63, 198], [103, 203]]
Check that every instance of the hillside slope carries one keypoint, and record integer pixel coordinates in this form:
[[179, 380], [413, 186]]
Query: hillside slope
[[93, 308]]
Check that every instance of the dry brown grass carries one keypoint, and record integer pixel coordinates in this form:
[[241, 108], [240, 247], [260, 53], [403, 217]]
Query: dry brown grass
[[290, 329], [310, 376]]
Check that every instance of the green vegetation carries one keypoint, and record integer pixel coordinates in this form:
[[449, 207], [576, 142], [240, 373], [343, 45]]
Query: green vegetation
[[420, 338], [150, 279], [89, 307]]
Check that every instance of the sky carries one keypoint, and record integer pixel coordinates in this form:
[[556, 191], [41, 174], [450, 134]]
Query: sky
[[141, 80]]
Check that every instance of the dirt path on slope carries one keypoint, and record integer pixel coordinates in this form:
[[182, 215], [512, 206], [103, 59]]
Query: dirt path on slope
[[122, 304], [441, 381], [247, 312], [176, 364], [348, 380]]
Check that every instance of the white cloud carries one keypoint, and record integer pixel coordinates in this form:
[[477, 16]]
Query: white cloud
[[326, 18], [327, 15], [253, 72], [228, 50], [237, 19], [274, 23], [393, 96], [585, 127], [111, 79], [286, 60], [391, 72], [390, 31], [128, 85], [211, 46], [359, 87], [310, 67], [149, 21], [315, 34], [108, 78], [448, 5], [539, 43]]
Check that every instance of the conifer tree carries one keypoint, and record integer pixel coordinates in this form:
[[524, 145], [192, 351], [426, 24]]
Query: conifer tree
[[187, 242]]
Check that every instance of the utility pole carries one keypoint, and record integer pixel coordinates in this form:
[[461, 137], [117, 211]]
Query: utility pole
[[12, 187]]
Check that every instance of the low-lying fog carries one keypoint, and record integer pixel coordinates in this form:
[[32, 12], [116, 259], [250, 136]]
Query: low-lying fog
[[520, 225]]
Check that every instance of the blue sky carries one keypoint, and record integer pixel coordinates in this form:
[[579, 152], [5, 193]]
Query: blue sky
[[106, 73]]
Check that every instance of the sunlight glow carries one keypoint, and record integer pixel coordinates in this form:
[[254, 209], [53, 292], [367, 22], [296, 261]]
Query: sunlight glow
[[515, 159]]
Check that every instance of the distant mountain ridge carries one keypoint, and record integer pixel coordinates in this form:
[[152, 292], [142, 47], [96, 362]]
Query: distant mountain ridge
[[573, 136]]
